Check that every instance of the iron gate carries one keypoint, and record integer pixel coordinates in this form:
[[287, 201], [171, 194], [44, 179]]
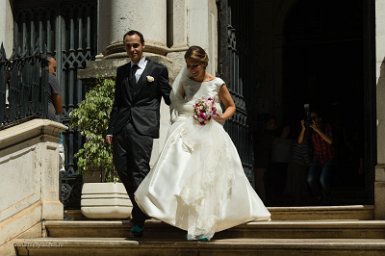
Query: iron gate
[[67, 30], [230, 60]]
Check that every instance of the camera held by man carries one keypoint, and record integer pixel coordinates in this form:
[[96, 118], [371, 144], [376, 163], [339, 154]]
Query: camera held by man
[[308, 119]]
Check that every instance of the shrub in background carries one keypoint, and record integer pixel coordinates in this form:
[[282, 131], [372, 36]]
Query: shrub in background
[[90, 118]]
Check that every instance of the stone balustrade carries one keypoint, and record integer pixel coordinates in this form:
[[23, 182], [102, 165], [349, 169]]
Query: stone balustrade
[[29, 170]]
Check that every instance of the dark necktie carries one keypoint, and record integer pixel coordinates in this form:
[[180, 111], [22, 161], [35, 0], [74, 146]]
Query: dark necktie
[[134, 68]]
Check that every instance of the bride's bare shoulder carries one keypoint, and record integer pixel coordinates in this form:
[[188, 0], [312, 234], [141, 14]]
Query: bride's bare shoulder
[[209, 77]]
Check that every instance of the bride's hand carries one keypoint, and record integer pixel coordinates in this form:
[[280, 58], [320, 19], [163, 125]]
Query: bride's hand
[[219, 118]]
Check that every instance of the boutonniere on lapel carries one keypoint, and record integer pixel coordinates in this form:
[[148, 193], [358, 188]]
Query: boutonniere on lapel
[[150, 79]]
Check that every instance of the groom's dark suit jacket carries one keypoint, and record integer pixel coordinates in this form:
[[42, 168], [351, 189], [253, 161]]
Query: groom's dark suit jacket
[[139, 102]]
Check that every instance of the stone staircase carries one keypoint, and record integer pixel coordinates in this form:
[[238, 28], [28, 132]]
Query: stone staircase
[[318, 231]]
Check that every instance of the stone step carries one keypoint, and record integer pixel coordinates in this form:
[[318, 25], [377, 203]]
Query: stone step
[[154, 229], [340, 212], [217, 247], [318, 231], [344, 212]]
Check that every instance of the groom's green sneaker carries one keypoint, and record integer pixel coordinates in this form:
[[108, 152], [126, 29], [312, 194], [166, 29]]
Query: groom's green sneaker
[[136, 230]]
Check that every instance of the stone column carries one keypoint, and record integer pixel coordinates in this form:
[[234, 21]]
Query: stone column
[[202, 28], [178, 13], [193, 22], [379, 183], [119, 16], [6, 26]]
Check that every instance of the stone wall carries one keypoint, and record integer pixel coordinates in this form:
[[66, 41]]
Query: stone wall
[[29, 169], [379, 183]]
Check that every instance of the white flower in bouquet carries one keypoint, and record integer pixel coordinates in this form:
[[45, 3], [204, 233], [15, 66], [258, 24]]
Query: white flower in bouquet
[[204, 110]]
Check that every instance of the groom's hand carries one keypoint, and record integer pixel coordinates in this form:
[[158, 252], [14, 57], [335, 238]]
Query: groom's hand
[[109, 139]]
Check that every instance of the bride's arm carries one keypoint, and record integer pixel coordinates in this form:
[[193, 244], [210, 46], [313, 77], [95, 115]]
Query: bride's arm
[[227, 100]]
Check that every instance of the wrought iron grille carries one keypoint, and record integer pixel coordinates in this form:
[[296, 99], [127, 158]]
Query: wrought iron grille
[[229, 69], [23, 86], [67, 30]]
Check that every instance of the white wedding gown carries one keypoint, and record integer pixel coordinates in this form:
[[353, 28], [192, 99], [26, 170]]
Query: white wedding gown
[[198, 183]]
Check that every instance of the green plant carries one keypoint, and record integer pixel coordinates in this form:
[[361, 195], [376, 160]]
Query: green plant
[[90, 118]]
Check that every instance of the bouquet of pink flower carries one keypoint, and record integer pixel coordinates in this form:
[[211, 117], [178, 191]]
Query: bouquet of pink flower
[[204, 109]]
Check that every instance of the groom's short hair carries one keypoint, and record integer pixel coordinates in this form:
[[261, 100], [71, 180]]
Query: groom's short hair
[[133, 32]]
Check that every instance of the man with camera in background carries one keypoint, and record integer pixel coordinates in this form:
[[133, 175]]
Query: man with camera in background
[[321, 140]]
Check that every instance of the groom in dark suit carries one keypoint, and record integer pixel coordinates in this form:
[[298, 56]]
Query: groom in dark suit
[[135, 117]]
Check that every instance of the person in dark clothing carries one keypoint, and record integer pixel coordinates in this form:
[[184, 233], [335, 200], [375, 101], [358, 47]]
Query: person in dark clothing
[[321, 139], [55, 106], [263, 144], [54, 98]]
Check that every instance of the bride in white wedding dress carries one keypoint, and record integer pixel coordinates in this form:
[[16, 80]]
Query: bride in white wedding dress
[[198, 183]]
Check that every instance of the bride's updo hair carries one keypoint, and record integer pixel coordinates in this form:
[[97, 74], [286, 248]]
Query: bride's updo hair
[[198, 54]]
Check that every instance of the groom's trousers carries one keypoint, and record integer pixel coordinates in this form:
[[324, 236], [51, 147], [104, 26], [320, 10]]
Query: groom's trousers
[[131, 156]]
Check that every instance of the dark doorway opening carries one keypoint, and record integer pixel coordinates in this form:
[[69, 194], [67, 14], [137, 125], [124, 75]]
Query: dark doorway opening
[[326, 65]]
